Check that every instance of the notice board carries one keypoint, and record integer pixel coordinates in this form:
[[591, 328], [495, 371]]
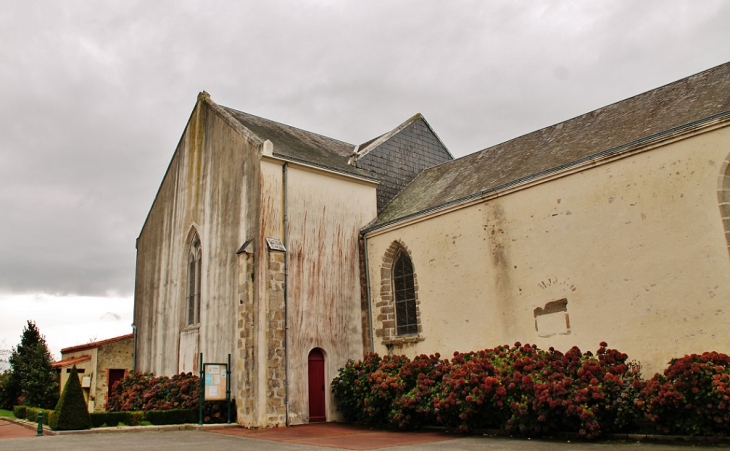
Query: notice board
[[215, 381]]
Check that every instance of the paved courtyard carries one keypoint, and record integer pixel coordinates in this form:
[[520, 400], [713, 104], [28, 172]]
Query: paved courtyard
[[314, 437]]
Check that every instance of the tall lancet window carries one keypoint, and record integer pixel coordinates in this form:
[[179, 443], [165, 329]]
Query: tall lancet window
[[406, 317], [193, 304]]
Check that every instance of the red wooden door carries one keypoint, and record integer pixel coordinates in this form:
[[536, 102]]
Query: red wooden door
[[316, 386], [114, 377]]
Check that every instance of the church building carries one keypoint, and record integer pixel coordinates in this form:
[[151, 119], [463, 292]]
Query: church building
[[295, 252]]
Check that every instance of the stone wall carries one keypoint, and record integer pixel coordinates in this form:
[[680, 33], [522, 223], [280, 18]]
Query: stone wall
[[245, 394], [386, 329], [276, 346], [115, 355]]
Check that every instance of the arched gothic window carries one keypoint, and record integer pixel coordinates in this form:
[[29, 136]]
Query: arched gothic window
[[723, 197], [193, 298], [404, 291]]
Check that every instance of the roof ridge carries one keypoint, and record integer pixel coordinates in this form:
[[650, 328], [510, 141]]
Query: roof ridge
[[604, 107], [96, 344], [372, 144], [674, 106], [71, 361], [288, 126]]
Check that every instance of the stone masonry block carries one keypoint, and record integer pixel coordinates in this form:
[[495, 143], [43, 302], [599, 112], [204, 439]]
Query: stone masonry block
[[725, 210]]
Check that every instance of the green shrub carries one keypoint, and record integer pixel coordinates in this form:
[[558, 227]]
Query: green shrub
[[353, 384], [19, 411], [112, 419], [216, 412], [144, 391], [132, 418], [175, 416], [71, 411], [33, 381], [98, 419], [135, 418], [692, 397], [8, 391], [31, 414], [149, 393], [520, 389]]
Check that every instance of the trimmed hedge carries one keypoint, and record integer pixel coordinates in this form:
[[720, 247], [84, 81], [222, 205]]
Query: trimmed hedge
[[31, 414], [19, 411], [175, 416], [112, 419], [212, 412]]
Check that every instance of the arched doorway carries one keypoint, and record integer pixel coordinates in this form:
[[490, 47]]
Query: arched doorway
[[316, 386]]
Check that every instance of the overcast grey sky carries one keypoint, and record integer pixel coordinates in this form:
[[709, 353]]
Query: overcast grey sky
[[95, 96]]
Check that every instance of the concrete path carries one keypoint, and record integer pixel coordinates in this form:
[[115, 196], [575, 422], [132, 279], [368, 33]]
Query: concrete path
[[339, 437]]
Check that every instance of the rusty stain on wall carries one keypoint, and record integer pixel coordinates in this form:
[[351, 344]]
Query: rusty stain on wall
[[221, 185]]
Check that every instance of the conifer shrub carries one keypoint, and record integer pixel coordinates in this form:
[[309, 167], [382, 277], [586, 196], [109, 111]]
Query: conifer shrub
[[8, 392], [71, 412], [32, 380]]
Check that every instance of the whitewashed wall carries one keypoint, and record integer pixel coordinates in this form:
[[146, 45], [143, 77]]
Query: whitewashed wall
[[636, 247]]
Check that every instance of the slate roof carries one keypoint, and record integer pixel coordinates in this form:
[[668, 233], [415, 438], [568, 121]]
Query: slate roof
[[601, 132], [372, 144], [300, 145]]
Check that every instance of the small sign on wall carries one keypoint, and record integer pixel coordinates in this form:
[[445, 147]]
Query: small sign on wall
[[275, 244], [215, 382]]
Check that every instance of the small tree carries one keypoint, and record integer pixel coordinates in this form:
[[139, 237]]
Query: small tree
[[33, 380], [7, 397], [71, 413]]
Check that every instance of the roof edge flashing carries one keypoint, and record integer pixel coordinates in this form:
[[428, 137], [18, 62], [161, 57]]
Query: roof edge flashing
[[386, 136], [581, 164], [250, 136]]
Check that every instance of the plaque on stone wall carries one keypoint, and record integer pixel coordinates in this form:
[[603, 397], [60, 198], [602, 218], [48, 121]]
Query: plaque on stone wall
[[275, 245]]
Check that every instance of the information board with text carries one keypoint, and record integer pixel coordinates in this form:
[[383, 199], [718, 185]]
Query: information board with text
[[215, 382]]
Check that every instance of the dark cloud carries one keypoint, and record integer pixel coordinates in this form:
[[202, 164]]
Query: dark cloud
[[96, 95]]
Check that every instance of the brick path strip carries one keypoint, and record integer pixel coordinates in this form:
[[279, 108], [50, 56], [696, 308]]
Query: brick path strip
[[343, 436], [12, 430]]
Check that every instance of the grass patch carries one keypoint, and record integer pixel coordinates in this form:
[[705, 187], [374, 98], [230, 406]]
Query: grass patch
[[6, 413]]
